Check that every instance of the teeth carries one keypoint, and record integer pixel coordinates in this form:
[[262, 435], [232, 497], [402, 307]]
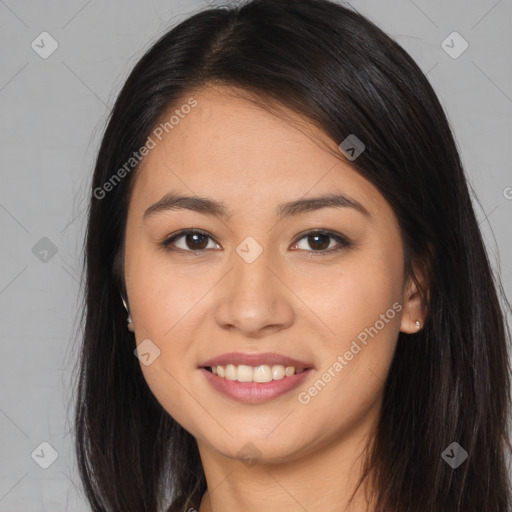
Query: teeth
[[278, 372], [262, 373], [231, 372]]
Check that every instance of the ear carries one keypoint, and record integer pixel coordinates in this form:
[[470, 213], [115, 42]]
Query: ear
[[414, 305]]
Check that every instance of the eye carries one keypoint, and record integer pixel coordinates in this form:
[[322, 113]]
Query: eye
[[193, 240], [197, 241], [319, 242]]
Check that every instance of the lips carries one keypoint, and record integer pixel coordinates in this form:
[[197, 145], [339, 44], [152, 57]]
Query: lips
[[268, 358], [254, 392]]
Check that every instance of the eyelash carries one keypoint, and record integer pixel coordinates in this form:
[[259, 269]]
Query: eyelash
[[343, 242]]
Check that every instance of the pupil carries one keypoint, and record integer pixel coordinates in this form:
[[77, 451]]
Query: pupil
[[195, 245], [324, 245]]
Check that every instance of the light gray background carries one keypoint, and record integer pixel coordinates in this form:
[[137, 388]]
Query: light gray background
[[53, 112]]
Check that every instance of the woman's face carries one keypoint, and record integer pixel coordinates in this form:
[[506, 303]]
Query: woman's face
[[257, 281]]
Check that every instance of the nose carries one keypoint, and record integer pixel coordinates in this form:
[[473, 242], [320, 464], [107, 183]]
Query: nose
[[253, 299]]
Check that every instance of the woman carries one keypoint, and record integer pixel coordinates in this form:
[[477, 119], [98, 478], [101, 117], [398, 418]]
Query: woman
[[313, 323]]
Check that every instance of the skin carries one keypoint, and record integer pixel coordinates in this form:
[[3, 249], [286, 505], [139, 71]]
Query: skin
[[311, 308]]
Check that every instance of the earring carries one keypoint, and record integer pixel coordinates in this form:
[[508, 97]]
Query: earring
[[418, 324], [129, 318]]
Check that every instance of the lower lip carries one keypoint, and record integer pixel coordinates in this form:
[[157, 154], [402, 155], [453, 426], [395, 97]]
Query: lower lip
[[255, 392]]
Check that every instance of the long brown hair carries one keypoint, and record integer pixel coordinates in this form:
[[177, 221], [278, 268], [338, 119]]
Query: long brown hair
[[450, 382]]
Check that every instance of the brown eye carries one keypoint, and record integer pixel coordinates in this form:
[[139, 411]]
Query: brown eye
[[317, 242], [196, 241], [320, 242], [191, 241]]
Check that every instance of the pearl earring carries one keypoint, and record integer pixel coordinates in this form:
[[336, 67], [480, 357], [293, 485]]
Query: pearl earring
[[129, 318], [418, 324]]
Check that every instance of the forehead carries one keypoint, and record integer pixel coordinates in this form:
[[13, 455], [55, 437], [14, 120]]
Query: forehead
[[231, 148], [225, 125]]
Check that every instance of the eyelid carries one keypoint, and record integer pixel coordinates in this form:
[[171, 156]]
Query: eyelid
[[342, 240]]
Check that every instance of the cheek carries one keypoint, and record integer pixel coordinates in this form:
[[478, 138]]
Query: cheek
[[355, 365], [169, 383], [162, 305], [353, 297], [363, 311], [161, 290]]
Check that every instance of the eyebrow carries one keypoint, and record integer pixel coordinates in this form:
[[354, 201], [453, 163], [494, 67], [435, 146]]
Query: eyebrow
[[206, 206]]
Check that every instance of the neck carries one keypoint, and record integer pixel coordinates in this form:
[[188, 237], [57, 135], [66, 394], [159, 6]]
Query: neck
[[321, 479]]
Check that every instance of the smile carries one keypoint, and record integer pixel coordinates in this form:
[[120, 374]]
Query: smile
[[255, 392], [261, 373]]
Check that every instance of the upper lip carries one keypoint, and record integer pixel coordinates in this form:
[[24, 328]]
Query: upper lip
[[269, 358]]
